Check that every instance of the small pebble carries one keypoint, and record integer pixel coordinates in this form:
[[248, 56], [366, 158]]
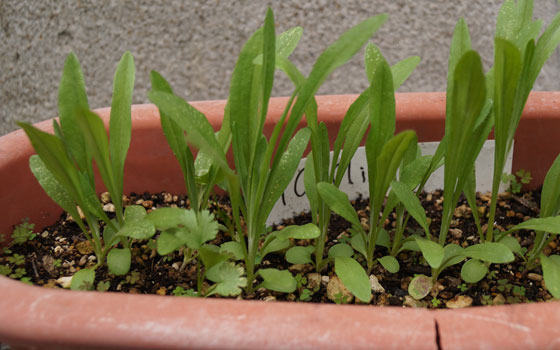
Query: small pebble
[[552, 245], [176, 266], [162, 291], [168, 197], [411, 302], [499, 300], [148, 204], [85, 247], [535, 276], [458, 302], [325, 279], [105, 197], [313, 280], [83, 260], [270, 298], [337, 291], [65, 282], [375, 286], [109, 208], [45, 234], [456, 232]]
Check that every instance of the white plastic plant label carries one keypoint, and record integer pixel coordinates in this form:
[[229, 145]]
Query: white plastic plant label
[[293, 201]]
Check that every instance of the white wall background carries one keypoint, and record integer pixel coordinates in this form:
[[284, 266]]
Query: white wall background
[[194, 44]]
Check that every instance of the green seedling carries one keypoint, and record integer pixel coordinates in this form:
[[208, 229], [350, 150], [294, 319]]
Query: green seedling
[[519, 55], [191, 231], [23, 232], [63, 166], [516, 181], [182, 292], [103, 286], [264, 166]]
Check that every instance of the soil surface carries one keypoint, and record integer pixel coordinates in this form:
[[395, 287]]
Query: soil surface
[[61, 249]]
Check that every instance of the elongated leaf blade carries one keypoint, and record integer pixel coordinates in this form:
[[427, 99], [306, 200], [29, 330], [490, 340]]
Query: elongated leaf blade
[[549, 224], [550, 199], [281, 175], [432, 252], [120, 123], [72, 98], [551, 273]]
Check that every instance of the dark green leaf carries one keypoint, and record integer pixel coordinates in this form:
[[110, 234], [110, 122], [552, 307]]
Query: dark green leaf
[[338, 202]]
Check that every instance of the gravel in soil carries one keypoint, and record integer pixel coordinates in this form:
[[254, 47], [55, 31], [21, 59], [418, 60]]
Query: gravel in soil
[[58, 251]]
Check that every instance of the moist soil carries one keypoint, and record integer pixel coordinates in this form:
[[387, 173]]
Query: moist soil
[[61, 249]]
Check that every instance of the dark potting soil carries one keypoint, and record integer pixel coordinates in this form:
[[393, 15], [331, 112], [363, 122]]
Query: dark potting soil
[[62, 249]]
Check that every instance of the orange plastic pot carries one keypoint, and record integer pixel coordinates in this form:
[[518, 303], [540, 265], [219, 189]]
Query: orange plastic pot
[[34, 317]]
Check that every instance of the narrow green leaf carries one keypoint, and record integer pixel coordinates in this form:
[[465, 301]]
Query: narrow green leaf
[[311, 186], [402, 70], [338, 202], [333, 57], [358, 244], [288, 41], [550, 198], [473, 271], [283, 173], [118, 261], [389, 263], [354, 277], [549, 224], [72, 98], [307, 231], [278, 280], [120, 123], [300, 255]]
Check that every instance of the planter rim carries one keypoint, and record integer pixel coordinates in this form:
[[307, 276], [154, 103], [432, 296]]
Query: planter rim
[[102, 320]]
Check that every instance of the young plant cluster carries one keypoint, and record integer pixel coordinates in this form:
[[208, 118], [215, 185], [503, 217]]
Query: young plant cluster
[[477, 103]]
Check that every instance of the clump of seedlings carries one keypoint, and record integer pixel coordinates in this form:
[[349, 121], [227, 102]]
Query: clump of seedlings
[[229, 250]]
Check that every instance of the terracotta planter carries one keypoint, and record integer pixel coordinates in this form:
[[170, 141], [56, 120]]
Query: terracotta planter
[[44, 318]]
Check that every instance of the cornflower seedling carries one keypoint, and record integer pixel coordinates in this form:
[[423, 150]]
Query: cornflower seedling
[[467, 126], [263, 166], [63, 166], [518, 58], [352, 130]]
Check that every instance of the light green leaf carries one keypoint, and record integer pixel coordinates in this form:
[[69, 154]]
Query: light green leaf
[[512, 244], [341, 249], [307, 231], [473, 271], [432, 252], [167, 243], [83, 280], [210, 256], [143, 229], [72, 98], [389, 263], [383, 238], [550, 199], [411, 203], [118, 261], [134, 213], [300, 255], [551, 273], [451, 255], [282, 174], [120, 123], [287, 41], [358, 244], [354, 277], [420, 286], [228, 278], [549, 224], [232, 248], [338, 202], [278, 280], [496, 253], [166, 218]]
